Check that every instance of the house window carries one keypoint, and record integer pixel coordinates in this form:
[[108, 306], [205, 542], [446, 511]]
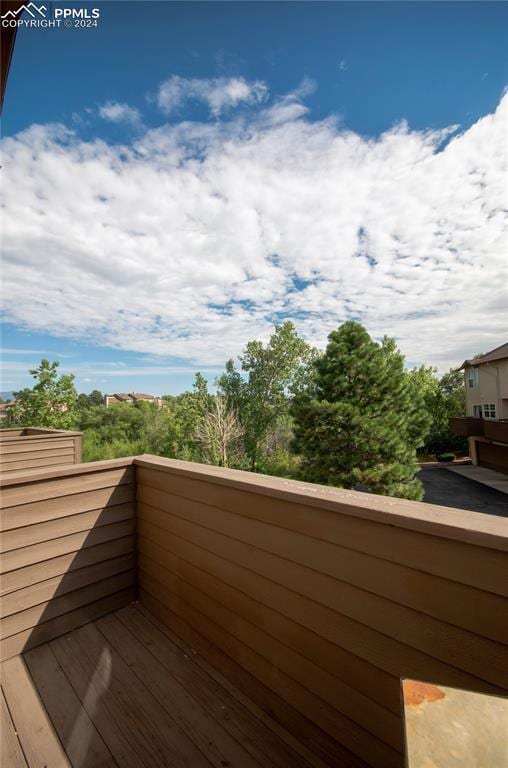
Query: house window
[[477, 411], [473, 377], [489, 411]]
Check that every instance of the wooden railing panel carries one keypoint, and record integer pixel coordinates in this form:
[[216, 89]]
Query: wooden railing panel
[[397, 531], [67, 563], [442, 598], [384, 616], [67, 546], [326, 597], [32, 448]]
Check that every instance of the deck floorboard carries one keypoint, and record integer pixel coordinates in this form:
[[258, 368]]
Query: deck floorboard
[[123, 691], [10, 749]]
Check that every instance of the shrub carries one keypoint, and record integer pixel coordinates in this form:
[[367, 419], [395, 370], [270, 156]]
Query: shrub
[[445, 456], [446, 442]]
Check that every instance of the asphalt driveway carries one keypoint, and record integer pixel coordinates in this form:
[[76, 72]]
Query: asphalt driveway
[[451, 490]]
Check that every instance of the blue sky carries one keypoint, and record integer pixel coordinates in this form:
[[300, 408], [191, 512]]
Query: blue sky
[[285, 183]]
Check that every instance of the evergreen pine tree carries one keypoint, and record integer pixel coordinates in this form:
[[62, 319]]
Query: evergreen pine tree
[[355, 425]]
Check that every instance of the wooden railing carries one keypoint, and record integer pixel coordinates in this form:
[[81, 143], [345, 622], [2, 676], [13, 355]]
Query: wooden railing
[[492, 429], [67, 547], [496, 430], [31, 448], [466, 426], [314, 601], [317, 601]]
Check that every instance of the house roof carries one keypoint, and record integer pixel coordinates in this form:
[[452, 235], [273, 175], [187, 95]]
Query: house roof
[[123, 396], [499, 353], [141, 396]]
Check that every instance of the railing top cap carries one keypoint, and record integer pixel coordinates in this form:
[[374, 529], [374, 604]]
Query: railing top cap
[[35, 433], [459, 524], [26, 476]]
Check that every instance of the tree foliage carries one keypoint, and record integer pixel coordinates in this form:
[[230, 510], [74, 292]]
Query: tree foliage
[[423, 388], [449, 400], [187, 412], [352, 417], [94, 398], [50, 403], [261, 394], [124, 429], [359, 422]]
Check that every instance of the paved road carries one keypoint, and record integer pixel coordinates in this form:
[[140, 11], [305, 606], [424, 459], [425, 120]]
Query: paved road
[[451, 490]]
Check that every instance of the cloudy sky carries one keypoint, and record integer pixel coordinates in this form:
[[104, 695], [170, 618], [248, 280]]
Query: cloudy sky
[[186, 176]]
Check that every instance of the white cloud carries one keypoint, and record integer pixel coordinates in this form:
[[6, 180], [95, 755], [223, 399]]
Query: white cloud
[[198, 237], [289, 107], [306, 87], [219, 94], [115, 112], [91, 369], [7, 351]]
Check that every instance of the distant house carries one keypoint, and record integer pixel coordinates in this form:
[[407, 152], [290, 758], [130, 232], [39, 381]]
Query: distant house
[[130, 398], [486, 422]]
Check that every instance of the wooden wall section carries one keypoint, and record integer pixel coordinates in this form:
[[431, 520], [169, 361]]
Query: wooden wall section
[[317, 601], [30, 448], [67, 549]]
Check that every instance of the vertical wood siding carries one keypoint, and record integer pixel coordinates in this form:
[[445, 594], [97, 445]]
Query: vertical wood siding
[[66, 550], [318, 601], [32, 448]]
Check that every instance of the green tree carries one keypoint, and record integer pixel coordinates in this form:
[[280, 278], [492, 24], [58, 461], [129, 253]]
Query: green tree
[[154, 430], [279, 458], [450, 400], [109, 433], [82, 401], [50, 403], [187, 412], [87, 401], [354, 424], [124, 430], [261, 395], [96, 397], [424, 388], [122, 421]]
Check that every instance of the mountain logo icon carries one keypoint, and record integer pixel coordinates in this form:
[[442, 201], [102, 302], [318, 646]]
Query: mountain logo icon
[[31, 9]]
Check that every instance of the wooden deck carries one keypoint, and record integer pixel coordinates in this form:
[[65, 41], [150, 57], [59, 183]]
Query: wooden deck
[[125, 691]]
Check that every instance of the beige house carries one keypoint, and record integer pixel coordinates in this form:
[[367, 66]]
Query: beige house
[[486, 422], [131, 397]]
